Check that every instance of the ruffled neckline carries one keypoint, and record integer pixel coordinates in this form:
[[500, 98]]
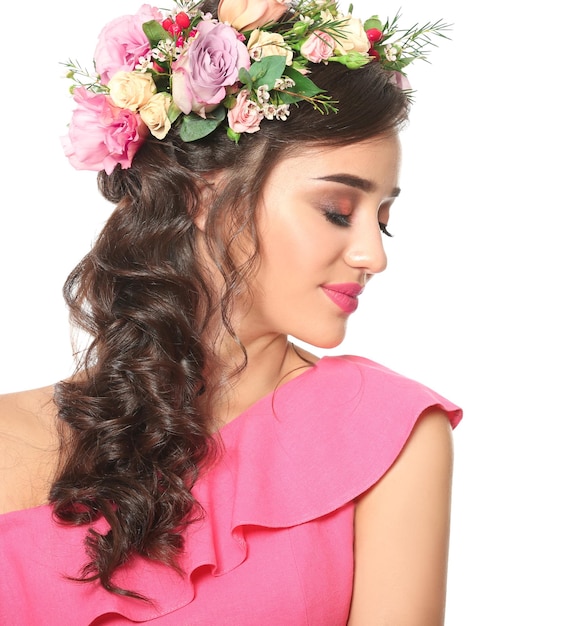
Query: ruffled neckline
[[289, 458]]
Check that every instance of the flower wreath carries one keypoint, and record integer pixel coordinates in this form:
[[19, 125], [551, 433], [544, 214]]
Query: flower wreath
[[250, 63]]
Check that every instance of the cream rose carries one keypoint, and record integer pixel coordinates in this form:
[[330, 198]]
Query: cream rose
[[264, 44], [353, 37], [131, 90], [155, 114]]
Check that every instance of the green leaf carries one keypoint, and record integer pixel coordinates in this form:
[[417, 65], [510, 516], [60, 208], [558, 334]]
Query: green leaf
[[303, 85], [162, 81], [154, 32], [245, 78], [373, 22], [267, 70], [173, 112], [230, 101], [404, 62], [194, 127]]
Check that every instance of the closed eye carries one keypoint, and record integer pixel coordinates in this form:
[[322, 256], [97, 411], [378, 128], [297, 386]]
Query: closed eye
[[339, 219]]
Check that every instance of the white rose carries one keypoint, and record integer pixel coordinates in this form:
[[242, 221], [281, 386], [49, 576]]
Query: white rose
[[353, 37], [155, 114], [131, 90], [264, 44]]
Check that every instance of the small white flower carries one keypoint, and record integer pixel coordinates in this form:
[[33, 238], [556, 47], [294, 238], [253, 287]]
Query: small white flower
[[269, 111], [144, 64], [282, 112], [283, 83], [391, 52], [157, 55], [262, 93], [167, 46]]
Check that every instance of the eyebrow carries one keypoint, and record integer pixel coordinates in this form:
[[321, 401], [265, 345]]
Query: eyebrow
[[356, 182]]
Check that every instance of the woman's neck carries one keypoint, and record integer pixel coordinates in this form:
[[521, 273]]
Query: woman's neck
[[271, 362]]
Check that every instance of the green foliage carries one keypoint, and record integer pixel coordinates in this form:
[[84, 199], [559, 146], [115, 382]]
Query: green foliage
[[373, 22], [155, 33], [303, 85], [194, 127], [267, 70]]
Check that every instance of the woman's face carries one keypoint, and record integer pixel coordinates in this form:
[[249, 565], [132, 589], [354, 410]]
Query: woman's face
[[320, 239]]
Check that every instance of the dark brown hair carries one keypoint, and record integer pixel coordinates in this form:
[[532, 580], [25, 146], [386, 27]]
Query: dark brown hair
[[138, 409]]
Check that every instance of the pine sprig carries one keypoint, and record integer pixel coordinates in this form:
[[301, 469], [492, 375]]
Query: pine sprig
[[83, 77], [413, 42]]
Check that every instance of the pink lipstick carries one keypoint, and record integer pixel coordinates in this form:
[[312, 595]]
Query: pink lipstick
[[344, 295]]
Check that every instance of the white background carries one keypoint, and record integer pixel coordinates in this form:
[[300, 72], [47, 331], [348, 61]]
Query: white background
[[469, 305]]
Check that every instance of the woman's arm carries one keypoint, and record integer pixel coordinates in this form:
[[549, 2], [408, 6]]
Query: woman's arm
[[402, 534]]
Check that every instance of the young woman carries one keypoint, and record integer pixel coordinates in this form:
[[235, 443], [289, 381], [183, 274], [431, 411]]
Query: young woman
[[199, 468]]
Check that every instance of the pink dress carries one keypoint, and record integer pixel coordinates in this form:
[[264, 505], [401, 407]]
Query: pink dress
[[276, 544]]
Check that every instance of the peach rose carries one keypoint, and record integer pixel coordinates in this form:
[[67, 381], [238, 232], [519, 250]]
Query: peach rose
[[250, 14], [155, 114], [263, 44], [131, 90]]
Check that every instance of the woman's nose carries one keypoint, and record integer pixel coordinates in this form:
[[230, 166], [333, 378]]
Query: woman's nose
[[366, 250]]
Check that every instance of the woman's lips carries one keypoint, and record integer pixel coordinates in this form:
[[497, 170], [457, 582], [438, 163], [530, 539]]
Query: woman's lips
[[344, 295]]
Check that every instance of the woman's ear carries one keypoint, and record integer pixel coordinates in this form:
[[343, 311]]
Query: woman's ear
[[209, 185]]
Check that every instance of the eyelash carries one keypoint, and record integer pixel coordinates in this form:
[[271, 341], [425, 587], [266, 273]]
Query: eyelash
[[343, 220]]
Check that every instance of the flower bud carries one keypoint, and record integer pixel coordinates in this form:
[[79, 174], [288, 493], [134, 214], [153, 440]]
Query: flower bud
[[300, 28]]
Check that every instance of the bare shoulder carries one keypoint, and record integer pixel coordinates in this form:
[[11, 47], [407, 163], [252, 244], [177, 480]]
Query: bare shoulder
[[402, 533], [29, 448]]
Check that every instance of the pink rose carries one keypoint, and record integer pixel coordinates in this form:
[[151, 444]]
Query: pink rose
[[102, 135], [122, 42], [250, 14], [318, 47], [207, 66], [245, 116]]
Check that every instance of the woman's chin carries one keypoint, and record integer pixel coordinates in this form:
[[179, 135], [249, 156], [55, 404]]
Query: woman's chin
[[324, 341]]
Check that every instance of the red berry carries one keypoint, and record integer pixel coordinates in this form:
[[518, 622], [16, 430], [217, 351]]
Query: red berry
[[176, 30], [167, 24], [182, 20], [374, 35], [375, 54], [180, 41]]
